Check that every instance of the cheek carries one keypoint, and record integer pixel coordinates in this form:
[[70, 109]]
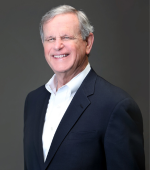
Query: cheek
[[47, 54], [75, 49], [46, 49], [81, 52]]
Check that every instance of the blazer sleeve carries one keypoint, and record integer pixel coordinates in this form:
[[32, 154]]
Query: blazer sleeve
[[25, 117], [123, 142]]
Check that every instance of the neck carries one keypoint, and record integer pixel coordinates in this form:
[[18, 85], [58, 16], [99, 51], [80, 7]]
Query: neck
[[64, 78]]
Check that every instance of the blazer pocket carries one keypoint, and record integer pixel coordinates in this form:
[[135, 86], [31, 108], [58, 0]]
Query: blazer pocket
[[82, 135]]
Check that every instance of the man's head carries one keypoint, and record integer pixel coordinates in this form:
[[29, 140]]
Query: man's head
[[84, 23], [66, 42]]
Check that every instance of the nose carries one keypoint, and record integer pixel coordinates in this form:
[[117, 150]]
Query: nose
[[58, 45]]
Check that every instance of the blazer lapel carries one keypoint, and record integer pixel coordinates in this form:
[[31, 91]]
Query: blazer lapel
[[39, 122], [77, 106]]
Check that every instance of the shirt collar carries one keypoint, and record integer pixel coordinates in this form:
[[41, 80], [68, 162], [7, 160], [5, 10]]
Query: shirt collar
[[73, 84]]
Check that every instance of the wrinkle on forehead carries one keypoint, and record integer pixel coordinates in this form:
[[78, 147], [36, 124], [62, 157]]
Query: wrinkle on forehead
[[63, 24]]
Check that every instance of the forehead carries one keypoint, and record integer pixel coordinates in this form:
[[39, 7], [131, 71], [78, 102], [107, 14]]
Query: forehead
[[62, 23]]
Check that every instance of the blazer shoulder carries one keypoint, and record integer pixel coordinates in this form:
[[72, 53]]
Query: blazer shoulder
[[101, 88], [37, 92], [108, 90], [34, 97], [118, 100]]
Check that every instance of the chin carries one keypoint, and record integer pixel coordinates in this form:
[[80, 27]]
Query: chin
[[61, 70]]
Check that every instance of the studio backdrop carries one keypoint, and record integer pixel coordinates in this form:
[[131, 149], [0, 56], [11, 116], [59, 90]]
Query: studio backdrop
[[119, 55]]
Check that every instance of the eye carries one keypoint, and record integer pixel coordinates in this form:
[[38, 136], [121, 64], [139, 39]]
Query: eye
[[66, 38], [51, 39]]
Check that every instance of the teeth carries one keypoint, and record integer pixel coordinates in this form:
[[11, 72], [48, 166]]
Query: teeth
[[60, 56]]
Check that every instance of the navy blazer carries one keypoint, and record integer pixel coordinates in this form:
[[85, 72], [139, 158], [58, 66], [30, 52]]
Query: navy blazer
[[101, 130]]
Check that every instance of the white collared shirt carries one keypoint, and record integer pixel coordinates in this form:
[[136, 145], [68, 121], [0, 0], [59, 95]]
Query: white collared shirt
[[58, 104]]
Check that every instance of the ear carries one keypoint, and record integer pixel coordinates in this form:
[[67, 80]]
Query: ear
[[89, 40]]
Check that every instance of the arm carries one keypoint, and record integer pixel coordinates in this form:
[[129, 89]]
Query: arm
[[123, 143], [25, 114]]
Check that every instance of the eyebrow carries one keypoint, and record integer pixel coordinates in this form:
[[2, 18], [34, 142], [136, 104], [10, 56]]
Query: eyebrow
[[60, 36], [49, 37]]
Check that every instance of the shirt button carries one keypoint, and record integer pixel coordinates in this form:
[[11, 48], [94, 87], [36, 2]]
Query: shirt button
[[58, 106], [51, 128]]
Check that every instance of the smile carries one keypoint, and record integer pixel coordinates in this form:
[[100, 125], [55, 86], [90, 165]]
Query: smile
[[60, 56]]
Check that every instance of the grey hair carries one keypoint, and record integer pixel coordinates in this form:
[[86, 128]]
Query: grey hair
[[84, 23]]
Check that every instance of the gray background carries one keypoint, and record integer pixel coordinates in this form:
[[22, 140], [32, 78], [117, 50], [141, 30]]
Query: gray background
[[119, 54]]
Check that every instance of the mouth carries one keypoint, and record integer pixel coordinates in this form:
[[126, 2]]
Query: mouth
[[60, 56]]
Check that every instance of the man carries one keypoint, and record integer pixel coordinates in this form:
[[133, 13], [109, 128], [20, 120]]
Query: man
[[78, 121]]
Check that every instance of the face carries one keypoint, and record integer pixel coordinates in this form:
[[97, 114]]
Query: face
[[65, 51]]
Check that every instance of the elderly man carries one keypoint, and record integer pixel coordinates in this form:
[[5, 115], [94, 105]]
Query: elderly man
[[78, 121]]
